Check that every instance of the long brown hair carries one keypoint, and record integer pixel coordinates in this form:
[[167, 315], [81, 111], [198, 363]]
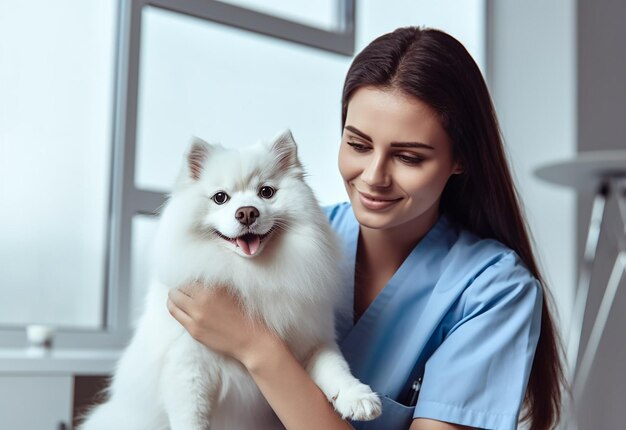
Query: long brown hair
[[435, 68]]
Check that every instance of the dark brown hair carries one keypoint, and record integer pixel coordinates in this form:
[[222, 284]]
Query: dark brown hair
[[435, 68]]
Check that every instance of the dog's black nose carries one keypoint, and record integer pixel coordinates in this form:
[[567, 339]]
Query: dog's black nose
[[247, 215]]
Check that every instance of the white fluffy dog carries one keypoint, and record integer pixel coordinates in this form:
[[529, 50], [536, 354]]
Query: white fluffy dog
[[246, 219]]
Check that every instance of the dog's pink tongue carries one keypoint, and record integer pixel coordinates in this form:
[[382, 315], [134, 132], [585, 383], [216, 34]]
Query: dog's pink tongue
[[249, 244]]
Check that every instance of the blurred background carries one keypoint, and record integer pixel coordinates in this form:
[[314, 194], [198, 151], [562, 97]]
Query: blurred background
[[99, 99]]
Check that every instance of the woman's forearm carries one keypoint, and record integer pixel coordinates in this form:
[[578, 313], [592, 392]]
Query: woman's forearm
[[292, 394]]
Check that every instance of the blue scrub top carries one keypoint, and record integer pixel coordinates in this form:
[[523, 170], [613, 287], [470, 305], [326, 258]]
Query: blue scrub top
[[462, 313]]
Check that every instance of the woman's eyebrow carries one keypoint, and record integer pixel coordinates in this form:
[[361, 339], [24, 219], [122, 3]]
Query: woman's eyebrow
[[393, 144], [359, 132], [410, 145]]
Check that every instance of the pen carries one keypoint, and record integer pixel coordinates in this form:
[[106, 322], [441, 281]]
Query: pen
[[415, 391]]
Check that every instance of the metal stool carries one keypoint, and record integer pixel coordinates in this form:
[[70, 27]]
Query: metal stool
[[604, 173]]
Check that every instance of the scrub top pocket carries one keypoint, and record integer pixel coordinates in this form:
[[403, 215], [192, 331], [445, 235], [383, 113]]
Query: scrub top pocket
[[395, 416]]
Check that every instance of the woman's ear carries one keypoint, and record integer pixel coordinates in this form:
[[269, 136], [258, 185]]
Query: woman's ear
[[458, 169]]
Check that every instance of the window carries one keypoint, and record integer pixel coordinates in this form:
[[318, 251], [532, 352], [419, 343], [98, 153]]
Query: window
[[56, 104]]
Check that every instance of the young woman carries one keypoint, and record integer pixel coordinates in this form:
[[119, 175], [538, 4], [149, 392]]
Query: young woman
[[447, 294]]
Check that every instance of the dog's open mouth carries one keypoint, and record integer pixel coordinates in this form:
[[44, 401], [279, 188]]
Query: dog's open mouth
[[249, 243]]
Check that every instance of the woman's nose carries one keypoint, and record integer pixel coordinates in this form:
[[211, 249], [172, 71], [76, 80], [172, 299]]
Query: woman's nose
[[375, 172]]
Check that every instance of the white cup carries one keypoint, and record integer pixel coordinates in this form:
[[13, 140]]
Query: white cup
[[39, 336]]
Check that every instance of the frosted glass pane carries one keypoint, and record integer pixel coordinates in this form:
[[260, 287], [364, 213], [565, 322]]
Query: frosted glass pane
[[143, 233], [235, 87], [319, 13], [56, 87]]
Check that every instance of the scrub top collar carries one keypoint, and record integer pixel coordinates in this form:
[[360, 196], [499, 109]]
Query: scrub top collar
[[347, 327]]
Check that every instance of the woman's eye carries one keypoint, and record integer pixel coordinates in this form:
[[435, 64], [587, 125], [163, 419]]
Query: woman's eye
[[410, 159], [358, 147], [266, 192], [220, 198]]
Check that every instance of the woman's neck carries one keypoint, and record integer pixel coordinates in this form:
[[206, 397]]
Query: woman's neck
[[380, 252], [385, 249]]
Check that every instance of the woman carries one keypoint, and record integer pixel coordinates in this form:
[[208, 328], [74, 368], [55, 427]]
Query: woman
[[447, 294]]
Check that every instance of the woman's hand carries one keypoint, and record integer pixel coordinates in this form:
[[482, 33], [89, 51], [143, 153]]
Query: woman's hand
[[213, 317]]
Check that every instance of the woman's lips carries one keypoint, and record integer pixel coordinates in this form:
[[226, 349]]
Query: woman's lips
[[376, 203]]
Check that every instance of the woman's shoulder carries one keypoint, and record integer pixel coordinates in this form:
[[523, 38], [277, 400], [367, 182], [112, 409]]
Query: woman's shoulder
[[486, 267], [481, 252]]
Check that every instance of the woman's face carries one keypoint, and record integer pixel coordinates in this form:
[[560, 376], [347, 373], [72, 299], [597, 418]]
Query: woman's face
[[395, 159]]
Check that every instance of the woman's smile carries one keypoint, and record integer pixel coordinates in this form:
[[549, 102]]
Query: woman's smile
[[376, 203]]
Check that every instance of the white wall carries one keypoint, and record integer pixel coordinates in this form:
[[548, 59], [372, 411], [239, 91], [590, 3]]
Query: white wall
[[465, 20]]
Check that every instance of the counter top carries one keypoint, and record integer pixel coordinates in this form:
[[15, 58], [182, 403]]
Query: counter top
[[58, 361]]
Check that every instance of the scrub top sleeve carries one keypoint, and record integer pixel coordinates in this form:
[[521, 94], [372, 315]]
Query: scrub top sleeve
[[478, 375]]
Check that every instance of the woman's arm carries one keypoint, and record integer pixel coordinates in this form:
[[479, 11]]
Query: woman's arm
[[289, 390], [426, 424], [214, 318]]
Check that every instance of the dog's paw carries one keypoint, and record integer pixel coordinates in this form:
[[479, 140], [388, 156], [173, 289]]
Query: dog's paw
[[357, 402]]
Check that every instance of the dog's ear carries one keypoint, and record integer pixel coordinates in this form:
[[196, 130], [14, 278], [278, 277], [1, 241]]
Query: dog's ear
[[285, 150], [197, 155]]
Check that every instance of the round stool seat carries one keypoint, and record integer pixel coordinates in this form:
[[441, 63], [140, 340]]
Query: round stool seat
[[586, 170]]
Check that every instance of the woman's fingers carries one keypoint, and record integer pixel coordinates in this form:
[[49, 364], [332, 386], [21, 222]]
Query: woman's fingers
[[181, 299], [178, 314]]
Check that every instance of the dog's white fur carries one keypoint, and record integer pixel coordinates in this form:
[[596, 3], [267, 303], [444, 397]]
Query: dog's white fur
[[167, 380]]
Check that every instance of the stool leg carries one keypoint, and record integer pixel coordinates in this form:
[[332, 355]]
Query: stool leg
[[580, 302], [599, 325], [584, 280]]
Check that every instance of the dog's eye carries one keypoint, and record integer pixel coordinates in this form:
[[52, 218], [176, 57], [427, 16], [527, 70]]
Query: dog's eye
[[266, 192], [220, 198]]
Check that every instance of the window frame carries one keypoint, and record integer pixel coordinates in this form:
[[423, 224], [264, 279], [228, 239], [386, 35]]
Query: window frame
[[126, 200]]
